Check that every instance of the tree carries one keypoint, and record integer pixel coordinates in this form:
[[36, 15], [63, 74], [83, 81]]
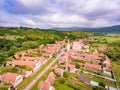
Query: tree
[[102, 84], [65, 75], [62, 80], [77, 66]]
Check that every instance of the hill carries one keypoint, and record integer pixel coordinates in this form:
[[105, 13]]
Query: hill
[[110, 29]]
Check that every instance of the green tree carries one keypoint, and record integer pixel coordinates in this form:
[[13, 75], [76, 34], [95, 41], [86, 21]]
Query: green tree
[[77, 66], [65, 75], [102, 84]]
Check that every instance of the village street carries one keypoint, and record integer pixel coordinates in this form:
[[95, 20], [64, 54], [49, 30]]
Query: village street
[[43, 72]]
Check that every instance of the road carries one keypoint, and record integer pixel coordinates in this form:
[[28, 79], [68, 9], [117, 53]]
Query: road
[[43, 72]]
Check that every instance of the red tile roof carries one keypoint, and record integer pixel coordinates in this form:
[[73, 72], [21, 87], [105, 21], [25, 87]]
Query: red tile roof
[[46, 55], [15, 56], [9, 77], [21, 63], [107, 62], [44, 85], [71, 66], [93, 66], [23, 72], [41, 59], [29, 51], [64, 59], [51, 78], [59, 71]]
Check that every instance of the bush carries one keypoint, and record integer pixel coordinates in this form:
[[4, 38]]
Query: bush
[[65, 75], [62, 80], [77, 66], [98, 88], [102, 84]]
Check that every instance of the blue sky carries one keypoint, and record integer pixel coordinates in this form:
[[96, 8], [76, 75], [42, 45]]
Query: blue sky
[[59, 13]]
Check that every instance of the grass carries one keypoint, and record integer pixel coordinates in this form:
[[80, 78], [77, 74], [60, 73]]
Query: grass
[[70, 84], [116, 69], [94, 78], [25, 67], [112, 39], [9, 69], [109, 39], [27, 80], [3, 88]]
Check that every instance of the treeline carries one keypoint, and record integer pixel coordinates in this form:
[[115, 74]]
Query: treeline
[[13, 39]]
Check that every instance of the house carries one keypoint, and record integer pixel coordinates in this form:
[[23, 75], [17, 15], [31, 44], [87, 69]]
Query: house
[[72, 52], [51, 78], [15, 57], [31, 64], [59, 71], [43, 85], [22, 54], [92, 66], [46, 55], [64, 59], [12, 88], [106, 63], [92, 56], [70, 68], [41, 47], [77, 45], [12, 78], [93, 83], [25, 73], [102, 48], [41, 59], [84, 79], [28, 51]]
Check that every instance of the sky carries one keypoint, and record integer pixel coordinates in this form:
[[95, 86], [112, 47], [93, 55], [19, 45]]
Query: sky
[[59, 13]]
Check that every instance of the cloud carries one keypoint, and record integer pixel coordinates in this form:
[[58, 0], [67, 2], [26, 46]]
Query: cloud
[[59, 13]]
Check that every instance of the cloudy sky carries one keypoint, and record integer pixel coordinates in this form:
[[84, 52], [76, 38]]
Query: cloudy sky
[[59, 13]]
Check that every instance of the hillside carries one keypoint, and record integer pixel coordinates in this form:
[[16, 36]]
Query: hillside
[[111, 29]]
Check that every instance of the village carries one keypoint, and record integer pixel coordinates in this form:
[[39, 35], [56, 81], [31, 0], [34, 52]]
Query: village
[[75, 64]]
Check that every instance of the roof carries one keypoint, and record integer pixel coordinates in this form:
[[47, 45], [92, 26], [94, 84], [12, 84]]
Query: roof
[[23, 72], [107, 62], [58, 71], [15, 56], [44, 85], [78, 44], [22, 63], [64, 59], [46, 55], [84, 79], [71, 66], [51, 78], [9, 77], [95, 53], [41, 59], [93, 66]]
